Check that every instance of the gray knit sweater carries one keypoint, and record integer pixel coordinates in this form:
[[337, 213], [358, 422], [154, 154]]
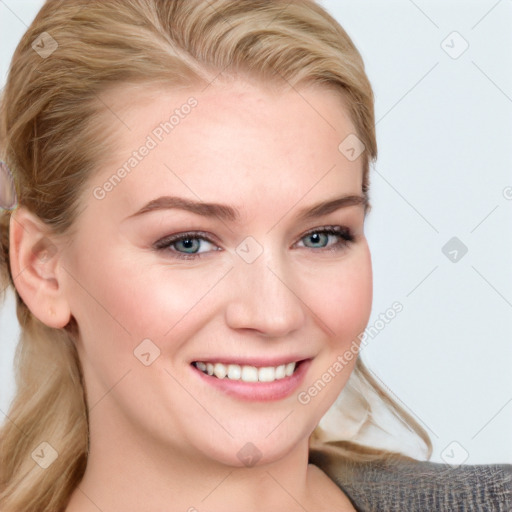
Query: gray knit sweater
[[416, 486]]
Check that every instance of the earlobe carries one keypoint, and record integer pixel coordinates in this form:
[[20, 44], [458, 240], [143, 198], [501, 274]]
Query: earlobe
[[35, 258]]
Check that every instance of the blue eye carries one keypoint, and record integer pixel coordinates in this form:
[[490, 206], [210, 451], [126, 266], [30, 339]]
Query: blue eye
[[190, 245], [187, 245], [322, 236]]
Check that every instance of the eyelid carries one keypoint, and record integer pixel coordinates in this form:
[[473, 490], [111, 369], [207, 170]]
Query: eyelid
[[167, 240], [338, 229]]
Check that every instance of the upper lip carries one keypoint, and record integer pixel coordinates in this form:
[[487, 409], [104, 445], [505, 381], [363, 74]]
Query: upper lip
[[253, 361]]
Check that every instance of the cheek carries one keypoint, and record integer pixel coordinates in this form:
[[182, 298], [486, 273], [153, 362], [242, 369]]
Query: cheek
[[344, 307], [135, 296], [355, 296], [344, 298], [126, 302], [159, 301], [118, 303]]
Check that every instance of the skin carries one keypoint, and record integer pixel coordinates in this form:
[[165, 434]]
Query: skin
[[162, 439]]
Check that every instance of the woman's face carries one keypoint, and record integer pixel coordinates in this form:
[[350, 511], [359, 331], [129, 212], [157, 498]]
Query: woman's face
[[256, 282]]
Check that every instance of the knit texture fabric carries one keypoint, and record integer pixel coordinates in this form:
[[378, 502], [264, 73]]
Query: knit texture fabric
[[417, 486]]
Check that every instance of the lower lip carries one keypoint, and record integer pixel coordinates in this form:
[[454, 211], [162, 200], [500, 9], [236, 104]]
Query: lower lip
[[258, 391]]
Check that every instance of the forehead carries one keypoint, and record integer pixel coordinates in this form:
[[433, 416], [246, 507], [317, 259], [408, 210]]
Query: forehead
[[227, 142]]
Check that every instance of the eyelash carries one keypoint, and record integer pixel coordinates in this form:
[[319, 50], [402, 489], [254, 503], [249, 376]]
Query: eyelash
[[344, 233]]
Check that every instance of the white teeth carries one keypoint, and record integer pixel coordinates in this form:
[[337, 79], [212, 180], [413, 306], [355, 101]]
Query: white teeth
[[219, 370], [234, 372], [280, 371], [267, 374], [290, 368], [247, 373]]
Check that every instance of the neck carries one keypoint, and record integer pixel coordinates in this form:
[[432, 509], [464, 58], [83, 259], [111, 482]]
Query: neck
[[124, 474]]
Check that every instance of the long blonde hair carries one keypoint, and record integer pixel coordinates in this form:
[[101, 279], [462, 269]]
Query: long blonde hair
[[51, 143]]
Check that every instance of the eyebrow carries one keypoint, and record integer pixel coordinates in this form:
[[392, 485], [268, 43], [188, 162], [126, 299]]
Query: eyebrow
[[228, 213]]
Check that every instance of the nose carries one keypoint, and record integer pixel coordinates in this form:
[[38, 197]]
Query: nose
[[263, 298]]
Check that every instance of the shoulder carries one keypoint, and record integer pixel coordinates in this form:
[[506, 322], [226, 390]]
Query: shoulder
[[403, 483]]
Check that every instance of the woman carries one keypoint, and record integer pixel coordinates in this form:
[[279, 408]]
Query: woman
[[191, 271]]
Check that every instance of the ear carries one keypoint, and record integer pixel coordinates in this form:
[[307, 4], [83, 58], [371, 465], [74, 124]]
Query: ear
[[34, 256]]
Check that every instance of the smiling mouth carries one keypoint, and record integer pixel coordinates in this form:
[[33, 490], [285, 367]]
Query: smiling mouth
[[247, 373]]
